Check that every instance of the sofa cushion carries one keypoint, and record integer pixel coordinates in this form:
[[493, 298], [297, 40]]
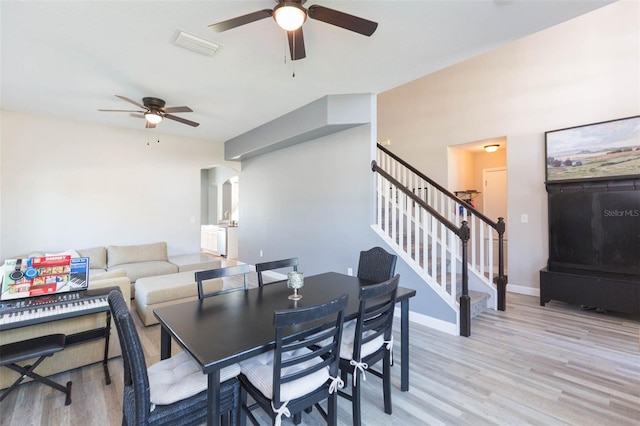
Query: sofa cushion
[[120, 255], [97, 257], [147, 269], [195, 262], [153, 290], [115, 273], [94, 272]]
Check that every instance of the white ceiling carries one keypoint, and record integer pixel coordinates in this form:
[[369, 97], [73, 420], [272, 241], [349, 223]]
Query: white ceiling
[[69, 58]]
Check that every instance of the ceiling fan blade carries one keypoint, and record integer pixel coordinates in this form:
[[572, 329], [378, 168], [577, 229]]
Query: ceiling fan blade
[[148, 125], [241, 20], [177, 109], [120, 110], [132, 101], [342, 20], [296, 44], [181, 120]]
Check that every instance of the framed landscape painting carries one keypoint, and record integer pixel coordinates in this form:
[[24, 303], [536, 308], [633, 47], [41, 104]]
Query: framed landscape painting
[[600, 150]]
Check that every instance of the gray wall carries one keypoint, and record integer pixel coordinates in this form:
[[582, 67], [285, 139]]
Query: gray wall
[[314, 201]]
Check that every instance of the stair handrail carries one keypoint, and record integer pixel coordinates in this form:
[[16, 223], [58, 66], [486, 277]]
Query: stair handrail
[[440, 188], [499, 226], [461, 231], [446, 222]]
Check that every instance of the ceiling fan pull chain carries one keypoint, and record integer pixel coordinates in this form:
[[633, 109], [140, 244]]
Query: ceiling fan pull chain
[[286, 41], [293, 59]]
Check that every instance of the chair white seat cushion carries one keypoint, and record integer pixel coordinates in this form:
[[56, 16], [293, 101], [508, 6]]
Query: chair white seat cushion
[[180, 377], [259, 371], [348, 337]]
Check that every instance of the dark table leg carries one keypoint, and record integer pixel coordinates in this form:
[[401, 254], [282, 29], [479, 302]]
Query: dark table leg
[[165, 344], [213, 396], [404, 345]]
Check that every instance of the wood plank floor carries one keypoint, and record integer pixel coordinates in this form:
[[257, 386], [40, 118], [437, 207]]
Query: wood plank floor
[[530, 365]]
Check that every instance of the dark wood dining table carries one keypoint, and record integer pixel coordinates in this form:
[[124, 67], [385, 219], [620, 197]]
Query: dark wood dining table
[[228, 328]]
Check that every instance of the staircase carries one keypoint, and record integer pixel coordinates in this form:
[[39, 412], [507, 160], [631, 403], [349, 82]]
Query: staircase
[[443, 239]]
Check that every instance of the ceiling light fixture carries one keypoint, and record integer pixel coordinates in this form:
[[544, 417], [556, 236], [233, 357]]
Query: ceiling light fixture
[[491, 148], [153, 117], [289, 15]]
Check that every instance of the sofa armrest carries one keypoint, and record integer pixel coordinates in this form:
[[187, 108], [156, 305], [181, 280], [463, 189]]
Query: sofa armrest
[[120, 281]]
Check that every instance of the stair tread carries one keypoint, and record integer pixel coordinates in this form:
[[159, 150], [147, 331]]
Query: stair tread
[[478, 295]]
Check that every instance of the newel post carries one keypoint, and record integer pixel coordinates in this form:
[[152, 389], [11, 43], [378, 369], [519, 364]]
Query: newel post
[[465, 301], [501, 281]]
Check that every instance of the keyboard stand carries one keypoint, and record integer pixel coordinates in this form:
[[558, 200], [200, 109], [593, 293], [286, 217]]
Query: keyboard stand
[[95, 334]]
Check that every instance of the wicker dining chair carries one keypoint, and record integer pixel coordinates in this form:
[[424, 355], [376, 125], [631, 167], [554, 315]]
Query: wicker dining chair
[[138, 405], [376, 265]]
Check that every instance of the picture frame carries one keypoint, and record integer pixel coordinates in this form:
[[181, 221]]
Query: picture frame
[[604, 150]]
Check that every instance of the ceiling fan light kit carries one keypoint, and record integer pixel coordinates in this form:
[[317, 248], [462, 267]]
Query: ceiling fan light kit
[[155, 111], [153, 117], [298, 14], [289, 15]]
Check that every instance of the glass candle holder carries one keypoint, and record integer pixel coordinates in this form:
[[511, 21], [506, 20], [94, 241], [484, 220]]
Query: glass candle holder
[[295, 280]]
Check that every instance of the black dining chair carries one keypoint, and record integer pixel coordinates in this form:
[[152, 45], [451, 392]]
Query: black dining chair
[[202, 276], [368, 340], [302, 370], [377, 265], [150, 398], [275, 264]]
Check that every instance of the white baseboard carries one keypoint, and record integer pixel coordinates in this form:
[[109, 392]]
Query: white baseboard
[[435, 323], [530, 291]]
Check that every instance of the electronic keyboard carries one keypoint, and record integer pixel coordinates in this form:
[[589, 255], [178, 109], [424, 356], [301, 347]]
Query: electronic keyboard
[[35, 310]]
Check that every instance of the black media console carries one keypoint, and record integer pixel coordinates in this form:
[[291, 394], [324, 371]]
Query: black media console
[[613, 292], [594, 244]]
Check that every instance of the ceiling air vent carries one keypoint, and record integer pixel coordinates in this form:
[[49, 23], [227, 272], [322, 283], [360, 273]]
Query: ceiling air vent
[[197, 44]]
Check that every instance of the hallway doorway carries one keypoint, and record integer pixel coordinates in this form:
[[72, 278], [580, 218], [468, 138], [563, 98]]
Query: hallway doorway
[[220, 211], [473, 168]]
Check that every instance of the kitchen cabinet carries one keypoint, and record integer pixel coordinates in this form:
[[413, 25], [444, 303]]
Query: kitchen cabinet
[[209, 239], [220, 240]]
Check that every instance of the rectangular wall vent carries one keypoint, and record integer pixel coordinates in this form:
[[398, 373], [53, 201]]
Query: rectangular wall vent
[[195, 43]]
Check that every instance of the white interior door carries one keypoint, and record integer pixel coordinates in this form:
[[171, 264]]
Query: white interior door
[[494, 197], [494, 202]]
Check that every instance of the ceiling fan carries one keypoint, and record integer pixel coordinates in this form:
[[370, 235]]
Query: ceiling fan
[[290, 15], [155, 111]]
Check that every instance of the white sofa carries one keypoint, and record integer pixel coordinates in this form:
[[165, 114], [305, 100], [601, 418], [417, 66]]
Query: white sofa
[[137, 261]]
